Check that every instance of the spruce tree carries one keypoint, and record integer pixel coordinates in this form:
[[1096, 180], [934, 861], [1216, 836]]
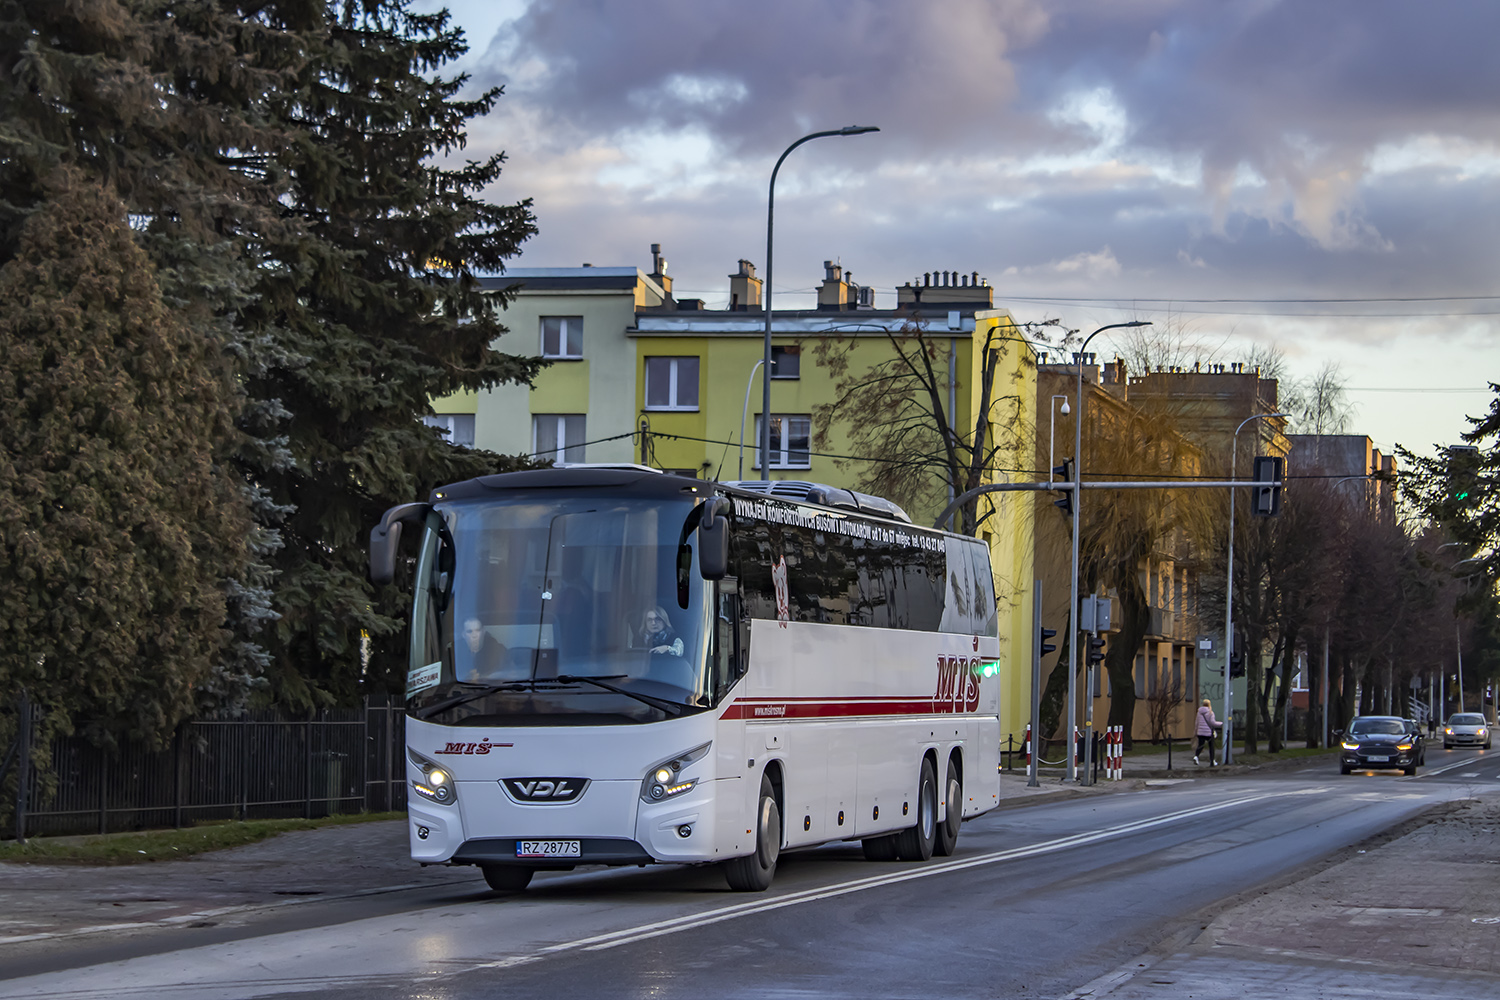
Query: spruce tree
[[368, 289], [117, 527]]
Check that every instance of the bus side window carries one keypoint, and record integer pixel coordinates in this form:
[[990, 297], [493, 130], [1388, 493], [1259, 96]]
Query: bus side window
[[730, 653]]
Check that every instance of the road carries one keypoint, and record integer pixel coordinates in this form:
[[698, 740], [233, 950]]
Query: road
[[1037, 902]]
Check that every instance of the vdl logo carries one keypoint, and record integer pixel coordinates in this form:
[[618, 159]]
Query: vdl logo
[[547, 791]]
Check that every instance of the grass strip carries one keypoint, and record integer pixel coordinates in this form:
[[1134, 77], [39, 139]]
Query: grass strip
[[167, 845]]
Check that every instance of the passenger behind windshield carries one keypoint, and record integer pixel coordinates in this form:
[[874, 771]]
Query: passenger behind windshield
[[480, 656]]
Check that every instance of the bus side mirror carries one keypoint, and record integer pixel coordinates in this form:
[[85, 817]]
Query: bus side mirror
[[713, 543], [385, 539]]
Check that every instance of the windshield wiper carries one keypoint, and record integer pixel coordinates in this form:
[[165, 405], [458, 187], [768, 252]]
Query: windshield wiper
[[477, 691], [645, 699]]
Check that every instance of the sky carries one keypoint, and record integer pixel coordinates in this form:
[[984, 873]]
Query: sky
[[1322, 179]]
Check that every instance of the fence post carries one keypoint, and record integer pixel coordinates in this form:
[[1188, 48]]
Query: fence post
[[307, 757], [387, 754], [103, 790], [244, 767], [23, 764], [177, 742]]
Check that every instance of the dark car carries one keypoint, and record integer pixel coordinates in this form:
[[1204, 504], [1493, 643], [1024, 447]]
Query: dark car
[[1379, 742]]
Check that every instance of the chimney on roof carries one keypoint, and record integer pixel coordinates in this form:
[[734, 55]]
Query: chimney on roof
[[659, 270], [833, 294], [744, 289]]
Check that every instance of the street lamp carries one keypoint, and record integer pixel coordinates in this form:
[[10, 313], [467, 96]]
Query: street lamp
[[748, 383], [1229, 588], [765, 377], [1073, 608], [1053, 408]]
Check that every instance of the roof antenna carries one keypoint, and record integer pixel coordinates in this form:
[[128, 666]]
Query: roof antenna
[[722, 457]]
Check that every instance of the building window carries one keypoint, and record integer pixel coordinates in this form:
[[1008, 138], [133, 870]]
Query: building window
[[790, 446], [562, 336], [456, 427], [671, 383], [557, 437], [786, 362]]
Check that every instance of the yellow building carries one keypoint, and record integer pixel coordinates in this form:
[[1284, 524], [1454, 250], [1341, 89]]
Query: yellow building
[[641, 377]]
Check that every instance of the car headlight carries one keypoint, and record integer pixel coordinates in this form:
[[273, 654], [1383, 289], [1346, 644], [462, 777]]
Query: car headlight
[[436, 784], [1448, 731], [1350, 746], [1403, 746], [664, 781], [1481, 731]]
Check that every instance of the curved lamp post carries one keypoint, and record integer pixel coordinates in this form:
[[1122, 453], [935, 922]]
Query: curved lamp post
[[1228, 754], [765, 377], [748, 383], [1073, 608]]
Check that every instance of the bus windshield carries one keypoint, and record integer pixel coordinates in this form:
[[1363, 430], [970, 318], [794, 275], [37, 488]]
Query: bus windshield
[[557, 609]]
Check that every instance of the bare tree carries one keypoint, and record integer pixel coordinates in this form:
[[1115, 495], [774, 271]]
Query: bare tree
[[911, 449]]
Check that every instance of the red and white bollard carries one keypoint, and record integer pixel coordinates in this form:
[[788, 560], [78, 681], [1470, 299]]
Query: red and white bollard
[[1026, 744], [1116, 743]]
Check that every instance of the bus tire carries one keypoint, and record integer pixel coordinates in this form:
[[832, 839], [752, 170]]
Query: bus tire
[[917, 841], [947, 830], [754, 873], [507, 878], [881, 848]]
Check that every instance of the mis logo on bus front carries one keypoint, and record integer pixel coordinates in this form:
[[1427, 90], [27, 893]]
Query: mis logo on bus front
[[957, 686]]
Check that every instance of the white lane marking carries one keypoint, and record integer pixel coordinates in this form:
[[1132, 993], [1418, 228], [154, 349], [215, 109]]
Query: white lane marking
[[1447, 767], [630, 935], [1469, 774]]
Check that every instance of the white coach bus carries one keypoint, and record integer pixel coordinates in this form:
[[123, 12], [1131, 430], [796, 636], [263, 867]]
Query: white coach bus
[[616, 666]]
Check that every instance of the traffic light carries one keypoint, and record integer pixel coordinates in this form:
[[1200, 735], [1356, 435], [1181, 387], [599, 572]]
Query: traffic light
[[1096, 650], [1236, 665], [1268, 498], [1042, 644], [1463, 462], [1065, 473]]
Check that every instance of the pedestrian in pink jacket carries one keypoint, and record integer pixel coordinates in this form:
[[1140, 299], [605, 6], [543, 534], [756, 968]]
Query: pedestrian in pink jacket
[[1205, 732]]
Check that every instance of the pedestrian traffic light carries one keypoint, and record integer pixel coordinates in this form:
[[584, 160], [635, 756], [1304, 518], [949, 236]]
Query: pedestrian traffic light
[[1236, 665], [1065, 473], [1042, 643], [1463, 478], [1096, 650], [1268, 498]]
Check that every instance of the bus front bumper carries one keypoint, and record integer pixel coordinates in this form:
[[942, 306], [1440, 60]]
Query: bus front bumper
[[610, 823]]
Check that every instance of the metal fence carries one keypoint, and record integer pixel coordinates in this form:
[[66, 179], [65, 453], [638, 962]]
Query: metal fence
[[255, 766]]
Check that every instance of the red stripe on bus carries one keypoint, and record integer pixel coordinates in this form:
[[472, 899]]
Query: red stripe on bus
[[820, 709]]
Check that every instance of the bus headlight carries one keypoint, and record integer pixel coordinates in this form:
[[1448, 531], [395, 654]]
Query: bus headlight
[[665, 781], [436, 784]]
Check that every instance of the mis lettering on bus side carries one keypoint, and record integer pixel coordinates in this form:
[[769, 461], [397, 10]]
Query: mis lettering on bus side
[[957, 686]]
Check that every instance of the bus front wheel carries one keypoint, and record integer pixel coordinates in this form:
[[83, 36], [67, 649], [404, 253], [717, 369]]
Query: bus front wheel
[[506, 878], [754, 873], [916, 842], [947, 830]]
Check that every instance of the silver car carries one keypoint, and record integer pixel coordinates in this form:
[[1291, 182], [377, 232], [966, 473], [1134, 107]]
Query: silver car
[[1466, 729]]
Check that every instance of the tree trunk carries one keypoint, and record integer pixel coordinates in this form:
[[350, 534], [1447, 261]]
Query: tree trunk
[[1119, 659]]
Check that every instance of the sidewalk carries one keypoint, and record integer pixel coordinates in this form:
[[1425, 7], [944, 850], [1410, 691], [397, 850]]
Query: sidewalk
[[38, 902]]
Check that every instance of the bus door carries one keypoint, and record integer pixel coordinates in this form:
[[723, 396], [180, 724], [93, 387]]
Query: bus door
[[731, 655]]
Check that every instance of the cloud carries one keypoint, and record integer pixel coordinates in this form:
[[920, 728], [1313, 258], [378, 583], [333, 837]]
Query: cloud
[[1093, 159]]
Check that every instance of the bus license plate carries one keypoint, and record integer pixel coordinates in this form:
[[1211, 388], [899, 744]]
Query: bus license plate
[[547, 849]]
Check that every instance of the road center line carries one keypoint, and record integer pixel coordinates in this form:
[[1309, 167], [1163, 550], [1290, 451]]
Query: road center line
[[643, 932]]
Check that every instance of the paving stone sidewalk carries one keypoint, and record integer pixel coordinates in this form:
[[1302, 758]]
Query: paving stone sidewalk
[[1429, 898]]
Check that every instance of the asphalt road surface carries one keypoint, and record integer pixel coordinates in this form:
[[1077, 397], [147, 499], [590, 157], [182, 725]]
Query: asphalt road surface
[[1037, 902]]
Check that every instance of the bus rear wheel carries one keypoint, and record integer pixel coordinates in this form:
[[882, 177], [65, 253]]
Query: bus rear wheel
[[507, 878], [916, 842], [754, 873], [947, 830]]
